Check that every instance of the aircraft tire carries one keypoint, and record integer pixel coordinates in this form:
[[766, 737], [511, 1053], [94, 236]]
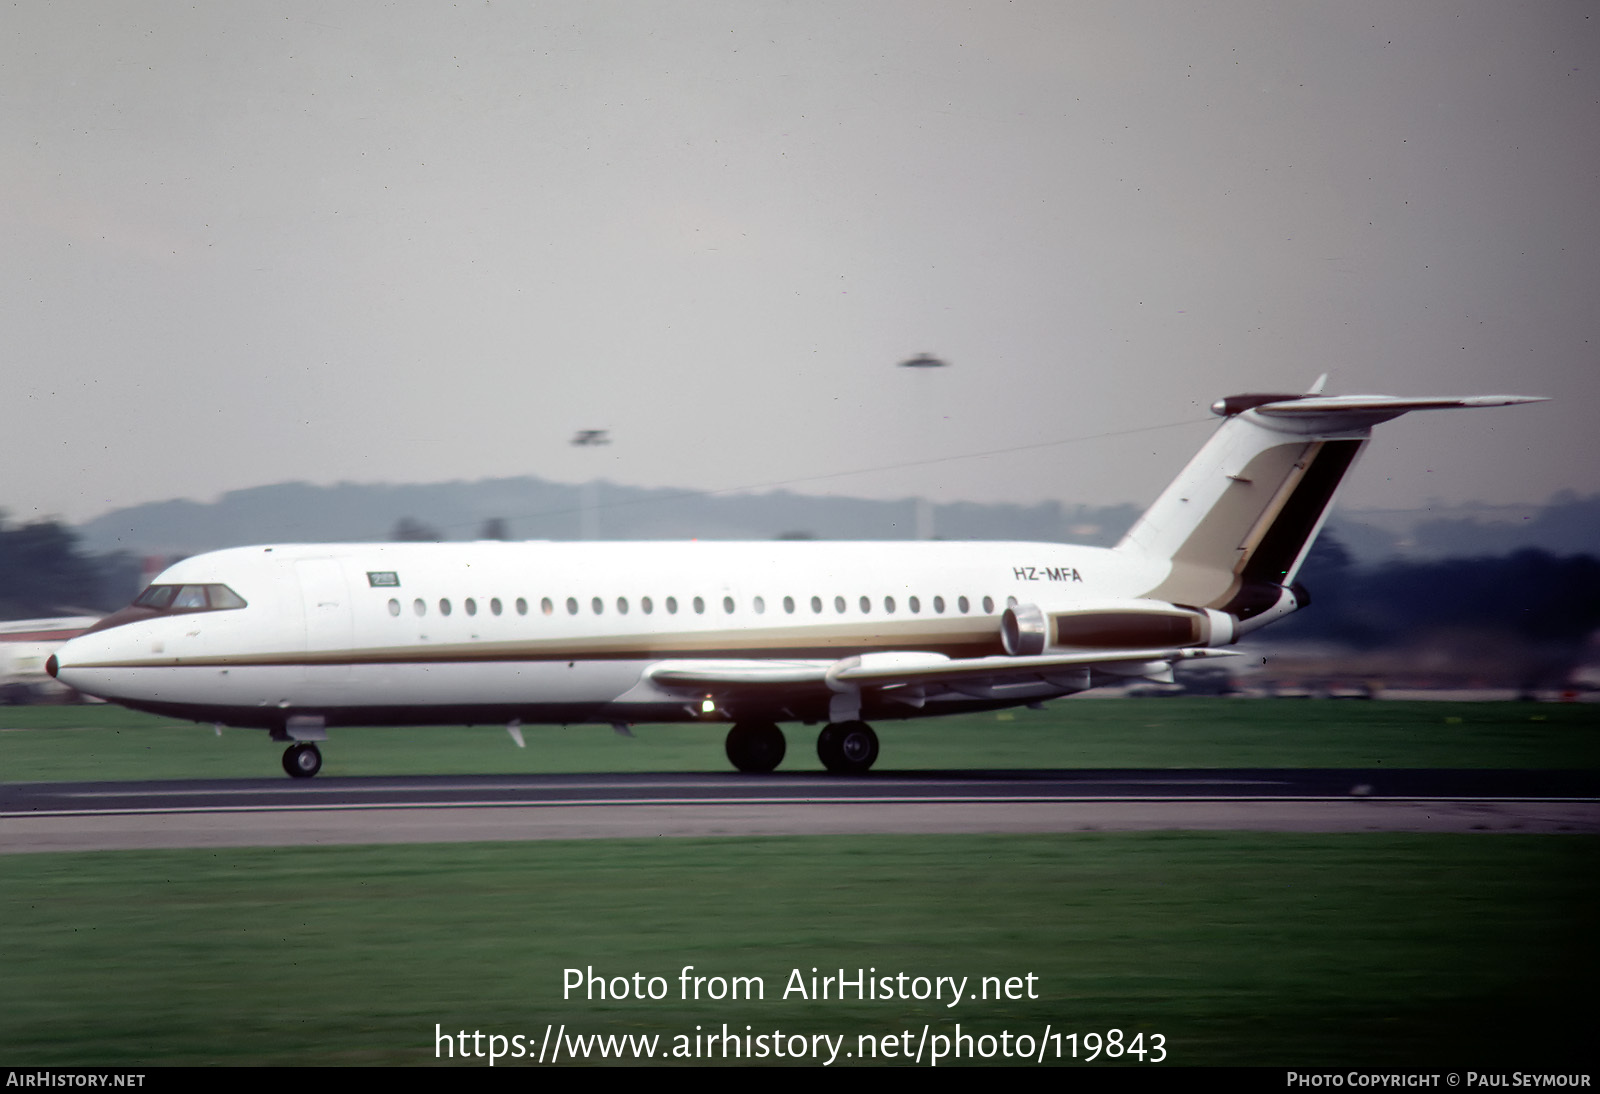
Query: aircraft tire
[[756, 747], [847, 748], [302, 761]]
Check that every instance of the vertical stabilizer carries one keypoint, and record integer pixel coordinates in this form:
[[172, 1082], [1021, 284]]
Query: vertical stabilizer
[[1238, 521]]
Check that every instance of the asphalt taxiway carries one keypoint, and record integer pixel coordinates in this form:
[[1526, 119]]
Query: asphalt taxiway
[[283, 812]]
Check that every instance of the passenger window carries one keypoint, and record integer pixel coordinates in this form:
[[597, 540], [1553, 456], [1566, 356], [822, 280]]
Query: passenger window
[[471, 606], [916, 605], [727, 604], [816, 604], [938, 604], [1011, 602], [494, 605], [963, 604], [866, 605], [672, 605], [888, 604], [572, 605], [444, 606], [788, 604], [838, 604], [394, 607], [546, 605], [699, 606], [598, 605], [646, 605], [988, 605], [759, 604], [419, 607], [622, 605]]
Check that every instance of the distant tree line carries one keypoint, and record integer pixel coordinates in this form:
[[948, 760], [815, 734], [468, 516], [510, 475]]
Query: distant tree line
[[412, 530], [1530, 594], [1534, 609], [44, 572]]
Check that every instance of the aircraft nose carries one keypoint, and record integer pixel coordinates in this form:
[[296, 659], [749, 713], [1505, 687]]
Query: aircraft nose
[[51, 665]]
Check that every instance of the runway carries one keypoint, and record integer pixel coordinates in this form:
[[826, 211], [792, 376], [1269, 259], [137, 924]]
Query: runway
[[330, 811]]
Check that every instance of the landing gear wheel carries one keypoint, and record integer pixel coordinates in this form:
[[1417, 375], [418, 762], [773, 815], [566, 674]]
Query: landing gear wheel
[[847, 748], [302, 761], [756, 747]]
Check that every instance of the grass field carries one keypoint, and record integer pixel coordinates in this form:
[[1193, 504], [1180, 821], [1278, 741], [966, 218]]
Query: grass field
[[101, 742], [1370, 951]]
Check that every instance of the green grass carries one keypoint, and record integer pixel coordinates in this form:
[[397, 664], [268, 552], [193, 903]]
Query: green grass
[[100, 742], [1348, 951], [1365, 950]]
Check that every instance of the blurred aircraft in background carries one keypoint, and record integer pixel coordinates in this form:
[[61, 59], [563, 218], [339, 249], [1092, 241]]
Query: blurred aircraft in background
[[25, 647]]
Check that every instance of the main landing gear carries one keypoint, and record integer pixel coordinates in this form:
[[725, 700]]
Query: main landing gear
[[756, 747], [302, 760], [845, 748]]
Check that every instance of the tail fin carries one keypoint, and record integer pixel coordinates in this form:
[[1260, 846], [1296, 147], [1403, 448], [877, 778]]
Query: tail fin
[[1238, 521]]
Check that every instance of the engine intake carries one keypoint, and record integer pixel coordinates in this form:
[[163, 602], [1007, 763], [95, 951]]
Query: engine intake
[[1024, 631]]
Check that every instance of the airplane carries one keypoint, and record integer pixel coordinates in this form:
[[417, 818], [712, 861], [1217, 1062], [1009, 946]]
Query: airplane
[[25, 647], [298, 638]]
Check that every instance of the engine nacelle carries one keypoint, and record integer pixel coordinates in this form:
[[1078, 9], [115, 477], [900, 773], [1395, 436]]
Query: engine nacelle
[[1027, 630]]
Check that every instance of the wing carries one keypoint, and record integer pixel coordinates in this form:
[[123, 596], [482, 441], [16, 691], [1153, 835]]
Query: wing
[[910, 677]]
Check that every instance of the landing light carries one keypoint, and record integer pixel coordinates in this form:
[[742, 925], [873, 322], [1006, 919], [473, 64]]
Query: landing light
[[708, 706]]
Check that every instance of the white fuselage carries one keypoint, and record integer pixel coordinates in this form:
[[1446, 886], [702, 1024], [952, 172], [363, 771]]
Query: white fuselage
[[570, 632], [298, 638]]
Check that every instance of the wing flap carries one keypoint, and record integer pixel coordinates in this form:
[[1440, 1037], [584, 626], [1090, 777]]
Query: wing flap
[[701, 675], [866, 671]]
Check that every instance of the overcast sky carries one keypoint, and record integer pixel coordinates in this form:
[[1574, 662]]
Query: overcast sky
[[245, 243]]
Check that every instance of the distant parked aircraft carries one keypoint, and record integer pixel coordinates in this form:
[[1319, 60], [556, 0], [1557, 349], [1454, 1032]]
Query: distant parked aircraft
[[25, 647]]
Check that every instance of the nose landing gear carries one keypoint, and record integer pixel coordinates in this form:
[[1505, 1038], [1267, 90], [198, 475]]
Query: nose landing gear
[[302, 760]]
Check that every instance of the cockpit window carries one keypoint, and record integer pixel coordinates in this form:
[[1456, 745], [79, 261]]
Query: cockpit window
[[189, 598], [157, 596], [224, 597]]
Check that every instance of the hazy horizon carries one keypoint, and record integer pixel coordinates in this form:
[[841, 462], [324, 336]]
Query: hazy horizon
[[406, 242]]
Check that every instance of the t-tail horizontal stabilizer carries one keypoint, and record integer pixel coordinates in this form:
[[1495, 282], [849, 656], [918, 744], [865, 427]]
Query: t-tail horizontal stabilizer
[[1365, 411]]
